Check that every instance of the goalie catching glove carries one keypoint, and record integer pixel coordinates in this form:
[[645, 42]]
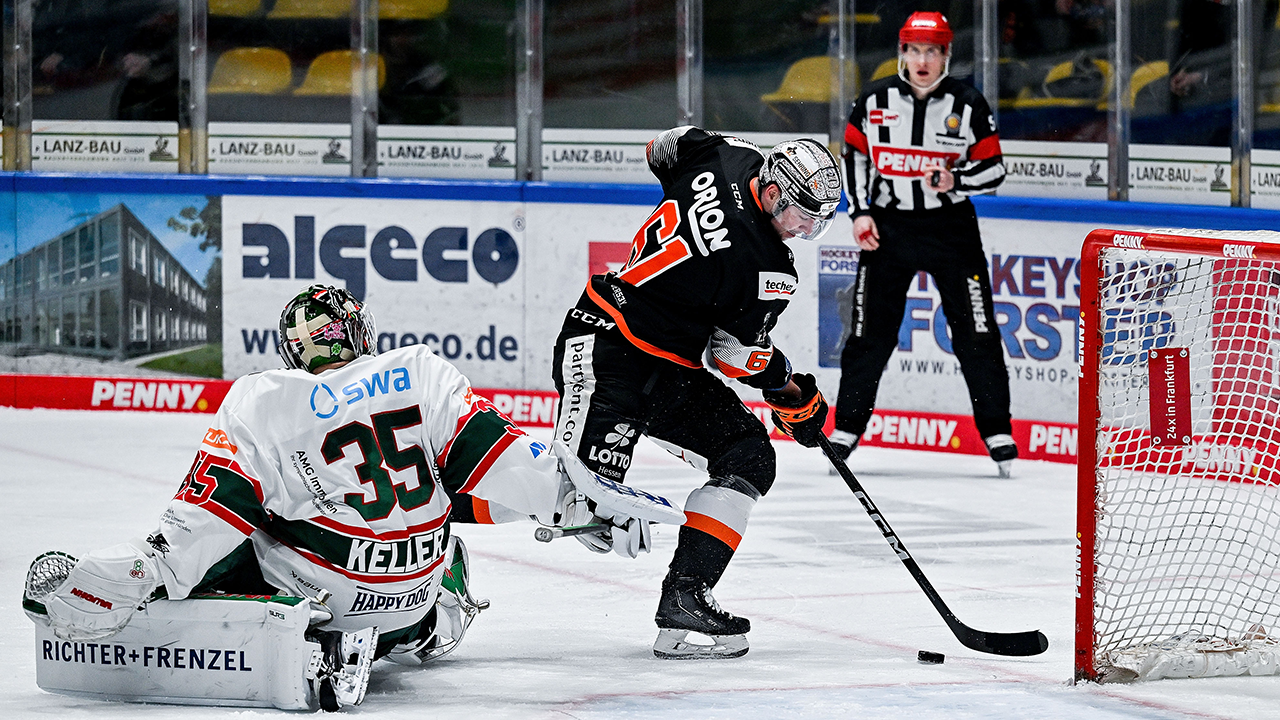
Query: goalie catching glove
[[801, 421], [589, 498], [94, 597]]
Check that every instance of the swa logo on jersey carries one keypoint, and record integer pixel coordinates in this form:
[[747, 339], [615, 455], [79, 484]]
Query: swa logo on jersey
[[324, 402]]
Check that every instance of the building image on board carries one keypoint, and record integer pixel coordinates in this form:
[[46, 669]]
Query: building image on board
[[105, 288]]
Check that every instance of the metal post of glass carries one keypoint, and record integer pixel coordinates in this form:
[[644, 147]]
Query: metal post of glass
[[1243, 108], [689, 62], [987, 51], [364, 88], [1119, 120], [529, 17], [17, 85], [844, 89], [193, 98]]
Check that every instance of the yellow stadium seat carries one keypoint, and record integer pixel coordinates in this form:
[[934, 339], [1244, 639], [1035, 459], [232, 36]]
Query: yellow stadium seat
[[1062, 71], [330, 74], [1144, 76], [301, 9], [888, 68], [411, 9], [234, 8], [252, 71], [807, 80]]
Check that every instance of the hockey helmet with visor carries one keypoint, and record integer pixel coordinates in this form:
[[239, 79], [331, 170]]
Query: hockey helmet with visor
[[325, 324], [809, 182], [925, 28]]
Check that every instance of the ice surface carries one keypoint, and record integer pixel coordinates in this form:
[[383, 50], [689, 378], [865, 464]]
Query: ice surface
[[836, 618]]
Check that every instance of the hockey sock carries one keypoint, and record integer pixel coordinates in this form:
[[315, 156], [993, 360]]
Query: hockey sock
[[716, 518]]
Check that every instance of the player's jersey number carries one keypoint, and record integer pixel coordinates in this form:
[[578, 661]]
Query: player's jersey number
[[378, 451], [656, 247]]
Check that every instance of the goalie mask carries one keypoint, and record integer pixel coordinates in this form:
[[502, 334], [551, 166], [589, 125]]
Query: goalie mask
[[809, 179], [323, 325]]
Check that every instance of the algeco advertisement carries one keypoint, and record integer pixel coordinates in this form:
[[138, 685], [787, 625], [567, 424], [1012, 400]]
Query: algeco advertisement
[[443, 273]]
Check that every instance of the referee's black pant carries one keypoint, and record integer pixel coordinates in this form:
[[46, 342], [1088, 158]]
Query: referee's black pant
[[946, 244]]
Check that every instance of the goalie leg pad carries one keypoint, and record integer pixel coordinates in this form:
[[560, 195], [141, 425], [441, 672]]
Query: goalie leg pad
[[447, 623], [246, 651]]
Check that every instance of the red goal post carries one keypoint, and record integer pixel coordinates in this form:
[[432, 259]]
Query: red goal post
[[1178, 510]]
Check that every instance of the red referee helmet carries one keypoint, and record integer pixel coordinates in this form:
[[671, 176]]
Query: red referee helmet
[[928, 28]]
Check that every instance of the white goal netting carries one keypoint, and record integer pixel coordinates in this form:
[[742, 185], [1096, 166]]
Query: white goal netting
[[1186, 536]]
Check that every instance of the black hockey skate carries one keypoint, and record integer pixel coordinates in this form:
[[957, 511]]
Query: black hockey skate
[[844, 443], [1004, 451], [687, 606]]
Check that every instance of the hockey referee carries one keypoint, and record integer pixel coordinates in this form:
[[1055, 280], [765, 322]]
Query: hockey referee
[[916, 146]]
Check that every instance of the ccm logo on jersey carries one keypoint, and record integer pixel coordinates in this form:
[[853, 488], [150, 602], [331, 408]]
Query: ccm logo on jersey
[[884, 117], [777, 285], [892, 162]]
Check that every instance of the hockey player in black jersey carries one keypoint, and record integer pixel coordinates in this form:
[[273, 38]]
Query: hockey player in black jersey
[[708, 275], [916, 147]]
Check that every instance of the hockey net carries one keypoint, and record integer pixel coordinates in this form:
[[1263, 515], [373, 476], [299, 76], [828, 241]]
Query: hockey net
[[1178, 565]]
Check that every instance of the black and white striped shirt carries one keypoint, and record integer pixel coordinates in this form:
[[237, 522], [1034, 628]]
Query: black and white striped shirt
[[891, 135]]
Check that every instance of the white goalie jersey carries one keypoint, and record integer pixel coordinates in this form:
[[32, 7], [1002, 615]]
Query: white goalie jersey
[[337, 482]]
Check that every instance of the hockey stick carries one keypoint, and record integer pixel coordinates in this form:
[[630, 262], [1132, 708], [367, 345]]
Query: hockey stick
[[547, 534], [1031, 642]]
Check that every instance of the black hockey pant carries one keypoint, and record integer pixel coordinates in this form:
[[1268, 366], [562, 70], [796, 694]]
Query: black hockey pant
[[944, 243], [611, 393]]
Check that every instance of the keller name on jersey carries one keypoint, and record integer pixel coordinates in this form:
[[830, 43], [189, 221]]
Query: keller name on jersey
[[397, 557], [775, 286], [909, 162]]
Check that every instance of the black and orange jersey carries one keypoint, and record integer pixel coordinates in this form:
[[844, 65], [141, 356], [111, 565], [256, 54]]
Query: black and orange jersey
[[707, 270]]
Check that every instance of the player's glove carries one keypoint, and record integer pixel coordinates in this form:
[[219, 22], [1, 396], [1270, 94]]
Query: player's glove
[[802, 422]]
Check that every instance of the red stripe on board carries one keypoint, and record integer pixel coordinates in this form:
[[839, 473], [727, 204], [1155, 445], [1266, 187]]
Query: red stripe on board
[[71, 392]]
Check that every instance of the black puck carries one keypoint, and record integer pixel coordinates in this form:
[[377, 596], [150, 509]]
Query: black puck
[[930, 658]]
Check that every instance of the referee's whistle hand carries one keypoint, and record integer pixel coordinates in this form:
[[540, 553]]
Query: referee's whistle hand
[[865, 232]]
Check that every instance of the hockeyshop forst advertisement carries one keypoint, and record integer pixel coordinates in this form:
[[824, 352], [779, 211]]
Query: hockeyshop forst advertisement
[[1035, 279]]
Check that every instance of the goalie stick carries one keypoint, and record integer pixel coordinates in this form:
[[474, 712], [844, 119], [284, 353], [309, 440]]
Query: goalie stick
[[1030, 642]]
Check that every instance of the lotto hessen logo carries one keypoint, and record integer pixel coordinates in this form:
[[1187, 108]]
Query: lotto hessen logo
[[777, 285], [894, 162], [1237, 251], [884, 117], [1133, 242]]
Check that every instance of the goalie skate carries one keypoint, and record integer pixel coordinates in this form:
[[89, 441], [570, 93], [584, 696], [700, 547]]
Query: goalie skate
[[687, 606], [339, 671]]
